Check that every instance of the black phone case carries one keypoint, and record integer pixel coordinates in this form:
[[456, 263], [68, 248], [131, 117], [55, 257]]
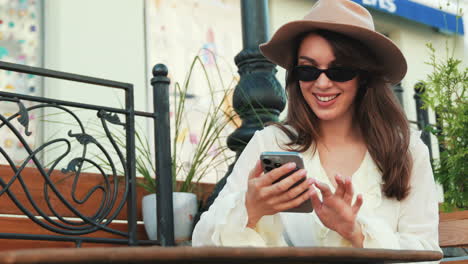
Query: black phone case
[[271, 160]]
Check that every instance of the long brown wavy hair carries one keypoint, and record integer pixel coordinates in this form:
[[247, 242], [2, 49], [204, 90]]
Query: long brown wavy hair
[[380, 118]]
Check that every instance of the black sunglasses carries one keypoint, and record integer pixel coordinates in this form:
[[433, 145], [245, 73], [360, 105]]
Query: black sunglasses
[[307, 73]]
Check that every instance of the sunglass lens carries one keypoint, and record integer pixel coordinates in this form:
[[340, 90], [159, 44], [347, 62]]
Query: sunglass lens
[[341, 74], [337, 74], [307, 73]]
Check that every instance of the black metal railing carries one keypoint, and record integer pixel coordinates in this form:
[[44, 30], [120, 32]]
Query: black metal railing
[[117, 157], [422, 117], [423, 123]]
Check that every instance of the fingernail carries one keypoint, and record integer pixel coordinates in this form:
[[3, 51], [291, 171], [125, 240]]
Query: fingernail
[[310, 181], [291, 165], [311, 191], [341, 177], [302, 172]]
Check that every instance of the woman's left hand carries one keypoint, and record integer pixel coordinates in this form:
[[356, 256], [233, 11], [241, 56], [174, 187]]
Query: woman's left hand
[[336, 210]]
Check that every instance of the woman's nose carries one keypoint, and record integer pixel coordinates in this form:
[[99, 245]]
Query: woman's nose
[[323, 82]]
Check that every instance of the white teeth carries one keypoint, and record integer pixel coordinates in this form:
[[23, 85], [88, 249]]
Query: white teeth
[[326, 99]]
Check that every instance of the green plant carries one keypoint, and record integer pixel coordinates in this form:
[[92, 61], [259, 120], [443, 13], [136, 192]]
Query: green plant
[[211, 150], [445, 93]]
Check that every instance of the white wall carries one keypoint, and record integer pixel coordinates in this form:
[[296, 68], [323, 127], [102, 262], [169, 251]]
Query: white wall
[[104, 39]]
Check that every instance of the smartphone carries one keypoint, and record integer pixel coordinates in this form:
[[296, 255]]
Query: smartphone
[[272, 160]]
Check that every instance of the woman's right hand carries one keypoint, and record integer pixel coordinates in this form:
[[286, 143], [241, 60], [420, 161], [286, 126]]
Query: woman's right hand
[[267, 198]]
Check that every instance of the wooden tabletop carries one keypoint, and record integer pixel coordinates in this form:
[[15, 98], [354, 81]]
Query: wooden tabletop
[[289, 255]]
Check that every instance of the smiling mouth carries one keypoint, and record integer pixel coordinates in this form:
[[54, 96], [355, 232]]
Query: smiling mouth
[[326, 98]]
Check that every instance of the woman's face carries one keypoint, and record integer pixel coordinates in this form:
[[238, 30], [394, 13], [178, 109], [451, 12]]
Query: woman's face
[[330, 100]]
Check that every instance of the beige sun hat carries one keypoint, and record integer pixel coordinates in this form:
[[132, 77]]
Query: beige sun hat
[[341, 16]]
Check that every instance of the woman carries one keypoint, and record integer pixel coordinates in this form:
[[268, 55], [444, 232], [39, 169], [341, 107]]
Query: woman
[[368, 177]]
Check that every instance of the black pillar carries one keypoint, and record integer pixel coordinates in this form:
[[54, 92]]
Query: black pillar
[[162, 137], [258, 97]]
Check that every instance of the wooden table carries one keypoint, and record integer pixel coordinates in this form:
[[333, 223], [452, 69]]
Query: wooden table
[[222, 255]]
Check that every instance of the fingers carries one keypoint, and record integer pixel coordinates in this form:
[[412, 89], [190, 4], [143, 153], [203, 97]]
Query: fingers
[[257, 171], [293, 192], [357, 204], [277, 173], [284, 185], [348, 195], [316, 203], [340, 185], [324, 189], [293, 203]]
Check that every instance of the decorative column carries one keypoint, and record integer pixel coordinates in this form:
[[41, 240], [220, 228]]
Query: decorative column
[[258, 97]]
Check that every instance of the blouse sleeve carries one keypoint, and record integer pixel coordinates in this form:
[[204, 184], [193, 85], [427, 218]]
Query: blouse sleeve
[[417, 227], [225, 223]]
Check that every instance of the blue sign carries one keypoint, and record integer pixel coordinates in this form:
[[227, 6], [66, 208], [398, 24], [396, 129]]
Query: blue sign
[[433, 17]]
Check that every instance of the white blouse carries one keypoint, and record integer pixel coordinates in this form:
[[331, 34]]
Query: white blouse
[[386, 223]]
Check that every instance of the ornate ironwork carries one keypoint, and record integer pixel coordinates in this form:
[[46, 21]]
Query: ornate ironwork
[[116, 158]]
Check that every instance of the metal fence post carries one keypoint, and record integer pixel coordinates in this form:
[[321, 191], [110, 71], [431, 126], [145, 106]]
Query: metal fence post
[[398, 91], [162, 137], [130, 143], [422, 116]]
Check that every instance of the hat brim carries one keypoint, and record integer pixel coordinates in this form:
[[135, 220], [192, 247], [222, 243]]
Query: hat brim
[[281, 47]]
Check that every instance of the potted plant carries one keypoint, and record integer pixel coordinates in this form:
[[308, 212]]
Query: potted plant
[[446, 93], [207, 154]]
